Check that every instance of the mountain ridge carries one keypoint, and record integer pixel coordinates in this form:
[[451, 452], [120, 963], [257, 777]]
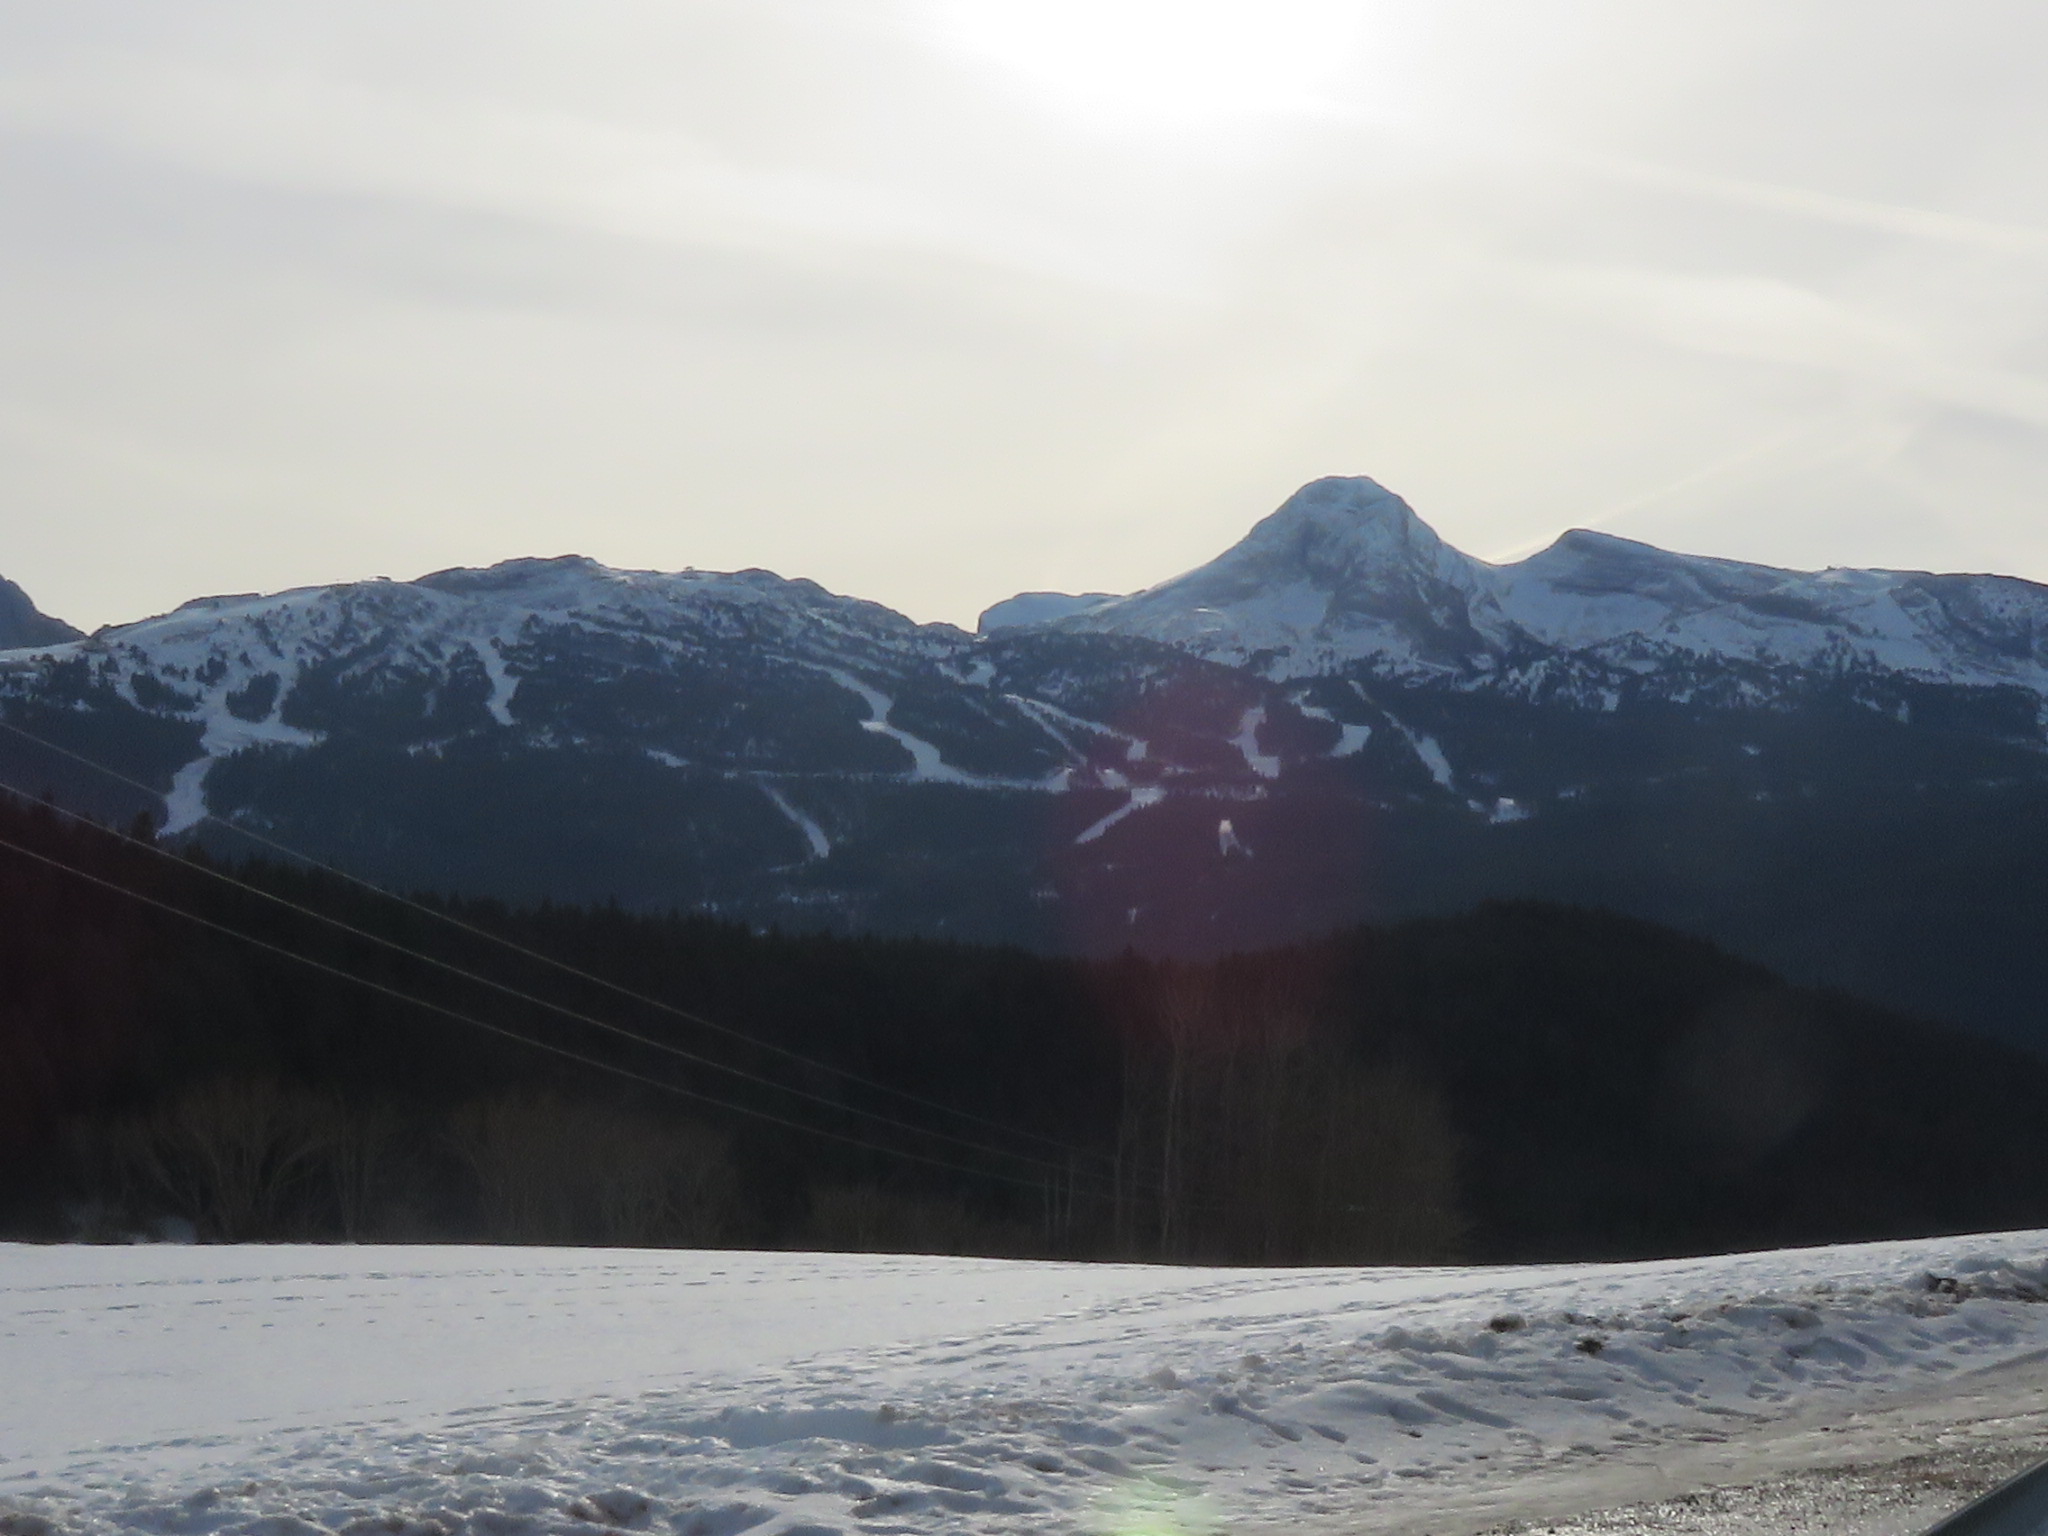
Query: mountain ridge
[[1341, 719], [1345, 571]]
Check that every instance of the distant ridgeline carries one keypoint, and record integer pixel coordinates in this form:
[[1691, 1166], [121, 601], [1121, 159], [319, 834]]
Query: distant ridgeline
[[1340, 720], [300, 1057]]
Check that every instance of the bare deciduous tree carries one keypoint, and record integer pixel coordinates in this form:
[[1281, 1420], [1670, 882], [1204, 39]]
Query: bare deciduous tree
[[553, 1171], [233, 1155], [861, 1218], [1250, 1134]]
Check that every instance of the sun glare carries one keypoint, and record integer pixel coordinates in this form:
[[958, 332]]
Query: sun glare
[[1165, 63]]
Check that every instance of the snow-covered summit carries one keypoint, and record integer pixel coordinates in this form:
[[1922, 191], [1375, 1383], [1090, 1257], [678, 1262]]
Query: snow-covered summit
[[1344, 568], [1345, 572], [487, 608], [452, 654]]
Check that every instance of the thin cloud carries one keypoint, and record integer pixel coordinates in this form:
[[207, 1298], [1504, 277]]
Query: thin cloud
[[1823, 207], [550, 166]]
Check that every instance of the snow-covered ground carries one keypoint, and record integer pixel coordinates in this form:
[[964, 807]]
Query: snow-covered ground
[[280, 1391]]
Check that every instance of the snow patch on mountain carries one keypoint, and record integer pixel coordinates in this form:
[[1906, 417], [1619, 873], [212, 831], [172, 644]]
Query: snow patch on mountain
[[185, 805], [226, 734], [491, 656], [1351, 739], [1247, 743], [1053, 721], [1142, 795], [927, 766], [814, 835], [1428, 751], [1057, 723]]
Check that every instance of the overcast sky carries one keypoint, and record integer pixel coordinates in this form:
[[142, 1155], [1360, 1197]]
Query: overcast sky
[[935, 300]]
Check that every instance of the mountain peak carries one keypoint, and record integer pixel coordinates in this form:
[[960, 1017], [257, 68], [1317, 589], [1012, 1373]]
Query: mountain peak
[[1340, 568], [23, 624], [1344, 572], [1337, 532], [1333, 526], [1346, 498]]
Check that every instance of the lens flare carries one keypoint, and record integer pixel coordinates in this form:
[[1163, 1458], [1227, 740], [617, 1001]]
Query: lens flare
[[1144, 1507]]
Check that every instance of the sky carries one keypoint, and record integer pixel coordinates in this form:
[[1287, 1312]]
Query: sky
[[934, 301]]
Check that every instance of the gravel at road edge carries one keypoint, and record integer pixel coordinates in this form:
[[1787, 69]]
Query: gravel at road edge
[[1891, 1471]]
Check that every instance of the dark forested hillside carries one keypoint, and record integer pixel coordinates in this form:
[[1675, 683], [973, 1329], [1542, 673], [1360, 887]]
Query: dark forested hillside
[[1521, 1081]]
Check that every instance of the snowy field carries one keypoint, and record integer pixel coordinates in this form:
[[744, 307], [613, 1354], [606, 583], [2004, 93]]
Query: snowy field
[[283, 1391]]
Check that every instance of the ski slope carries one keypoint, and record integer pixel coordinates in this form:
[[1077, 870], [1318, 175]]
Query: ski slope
[[287, 1391]]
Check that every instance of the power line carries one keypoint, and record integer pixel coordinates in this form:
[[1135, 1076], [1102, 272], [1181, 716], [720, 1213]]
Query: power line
[[563, 966], [509, 1034], [577, 1015]]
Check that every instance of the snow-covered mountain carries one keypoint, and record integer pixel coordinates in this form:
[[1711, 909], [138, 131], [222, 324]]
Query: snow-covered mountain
[[1345, 573], [693, 738], [1844, 774], [431, 662]]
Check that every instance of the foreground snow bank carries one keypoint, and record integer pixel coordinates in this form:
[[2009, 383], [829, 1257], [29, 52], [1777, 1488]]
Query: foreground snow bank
[[506, 1392]]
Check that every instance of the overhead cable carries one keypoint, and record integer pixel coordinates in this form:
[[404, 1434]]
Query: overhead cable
[[476, 931], [550, 1047], [576, 1015]]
